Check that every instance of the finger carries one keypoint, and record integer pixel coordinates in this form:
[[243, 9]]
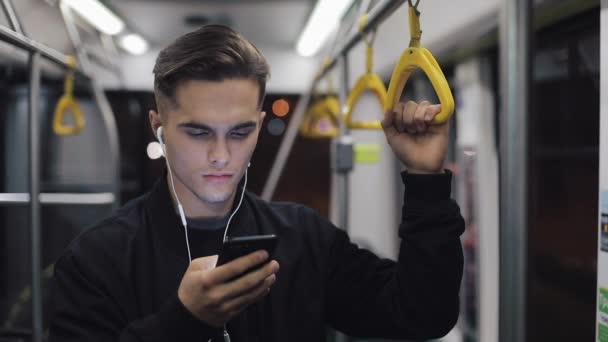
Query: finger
[[239, 303], [397, 119], [204, 263], [418, 119], [237, 267], [389, 118], [431, 112], [420, 112], [249, 281], [408, 115]]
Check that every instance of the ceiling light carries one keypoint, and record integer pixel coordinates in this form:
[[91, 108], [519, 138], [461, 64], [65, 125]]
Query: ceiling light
[[134, 44], [97, 15], [324, 19]]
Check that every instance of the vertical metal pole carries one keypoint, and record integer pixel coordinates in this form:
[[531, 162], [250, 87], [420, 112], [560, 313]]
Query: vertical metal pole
[[112, 131], [344, 134], [602, 257], [13, 20], [343, 186], [34, 176], [515, 83]]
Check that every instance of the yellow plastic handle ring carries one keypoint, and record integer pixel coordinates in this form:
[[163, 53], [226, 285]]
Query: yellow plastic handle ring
[[309, 129], [67, 102], [367, 82], [328, 108], [420, 58]]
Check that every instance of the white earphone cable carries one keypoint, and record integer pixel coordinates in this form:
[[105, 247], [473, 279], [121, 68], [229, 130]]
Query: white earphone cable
[[238, 206], [182, 214]]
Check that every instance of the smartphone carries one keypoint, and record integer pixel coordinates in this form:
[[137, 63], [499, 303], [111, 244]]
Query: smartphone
[[240, 246]]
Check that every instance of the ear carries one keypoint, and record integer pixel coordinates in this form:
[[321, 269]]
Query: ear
[[262, 115], [155, 121]]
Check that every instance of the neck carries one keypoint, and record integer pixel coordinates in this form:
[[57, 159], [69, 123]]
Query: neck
[[194, 207]]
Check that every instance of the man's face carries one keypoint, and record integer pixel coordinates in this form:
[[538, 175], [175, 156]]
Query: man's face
[[210, 137]]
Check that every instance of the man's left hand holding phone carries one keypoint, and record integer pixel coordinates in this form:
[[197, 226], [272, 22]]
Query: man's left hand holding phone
[[217, 294]]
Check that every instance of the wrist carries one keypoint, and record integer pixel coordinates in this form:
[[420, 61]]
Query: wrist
[[190, 307]]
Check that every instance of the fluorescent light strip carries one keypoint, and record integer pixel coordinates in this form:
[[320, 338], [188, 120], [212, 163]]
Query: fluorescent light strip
[[324, 19], [134, 44], [97, 15], [77, 198], [59, 198]]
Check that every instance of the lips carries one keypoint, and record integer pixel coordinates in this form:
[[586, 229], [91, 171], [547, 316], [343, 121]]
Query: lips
[[218, 178]]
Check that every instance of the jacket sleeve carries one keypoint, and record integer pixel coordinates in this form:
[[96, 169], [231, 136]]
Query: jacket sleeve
[[417, 297], [89, 307]]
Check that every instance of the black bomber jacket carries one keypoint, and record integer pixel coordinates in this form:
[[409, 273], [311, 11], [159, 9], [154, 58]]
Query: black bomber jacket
[[118, 280]]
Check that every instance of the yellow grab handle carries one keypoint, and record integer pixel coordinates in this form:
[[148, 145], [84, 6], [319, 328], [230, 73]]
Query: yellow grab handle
[[367, 82], [310, 129], [329, 108], [370, 81], [316, 133], [67, 102], [412, 59]]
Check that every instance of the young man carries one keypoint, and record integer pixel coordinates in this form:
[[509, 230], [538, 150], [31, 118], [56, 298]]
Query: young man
[[129, 278]]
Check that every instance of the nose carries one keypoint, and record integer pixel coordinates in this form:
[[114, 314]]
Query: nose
[[219, 155]]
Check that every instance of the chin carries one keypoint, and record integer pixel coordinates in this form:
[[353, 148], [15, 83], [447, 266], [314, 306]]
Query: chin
[[215, 197], [215, 193]]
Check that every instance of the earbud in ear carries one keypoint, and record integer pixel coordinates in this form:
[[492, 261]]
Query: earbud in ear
[[159, 135], [249, 164]]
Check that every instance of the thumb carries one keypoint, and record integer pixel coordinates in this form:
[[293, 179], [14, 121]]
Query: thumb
[[204, 263], [431, 112]]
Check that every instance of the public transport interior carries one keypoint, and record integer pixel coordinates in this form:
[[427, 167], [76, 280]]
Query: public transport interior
[[528, 144]]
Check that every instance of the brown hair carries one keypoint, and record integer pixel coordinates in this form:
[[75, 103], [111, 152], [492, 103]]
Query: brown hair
[[211, 53]]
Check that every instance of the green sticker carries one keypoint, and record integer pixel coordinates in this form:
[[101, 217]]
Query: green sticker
[[603, 300], [602, 333], [367, 153]]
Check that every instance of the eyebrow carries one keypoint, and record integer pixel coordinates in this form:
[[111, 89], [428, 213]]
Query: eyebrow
[[196, 125]]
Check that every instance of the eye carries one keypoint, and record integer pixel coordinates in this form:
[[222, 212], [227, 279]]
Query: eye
[[197, 132], [241, 133]]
